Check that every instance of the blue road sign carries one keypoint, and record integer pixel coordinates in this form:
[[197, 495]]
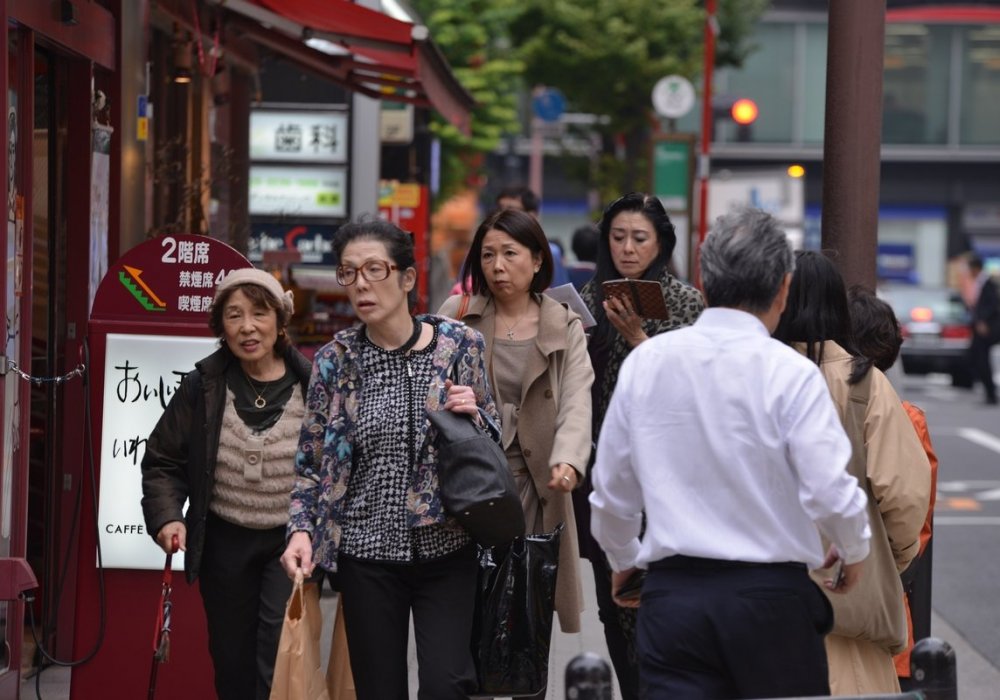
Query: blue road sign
[[549, 104]]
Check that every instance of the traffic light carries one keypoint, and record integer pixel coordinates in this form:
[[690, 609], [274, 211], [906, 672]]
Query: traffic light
[[742, 111]]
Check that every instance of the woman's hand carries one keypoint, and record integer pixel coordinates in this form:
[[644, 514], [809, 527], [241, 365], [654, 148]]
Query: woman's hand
[[564, 478], [624, 318], [298, 555], [460, 399], [165, 536]]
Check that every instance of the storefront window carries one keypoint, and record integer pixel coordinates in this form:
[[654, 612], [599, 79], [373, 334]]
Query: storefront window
[[980, 85], [915, 84], [814, 84]]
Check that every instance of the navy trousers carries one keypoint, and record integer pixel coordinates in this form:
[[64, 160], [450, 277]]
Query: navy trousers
[[711, 629]]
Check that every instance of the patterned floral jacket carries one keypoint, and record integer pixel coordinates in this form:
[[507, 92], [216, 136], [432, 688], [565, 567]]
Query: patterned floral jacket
[[326, 445]]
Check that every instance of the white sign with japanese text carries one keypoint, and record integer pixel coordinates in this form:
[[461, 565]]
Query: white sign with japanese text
[[298, 191], [141, 374], [300, 137]]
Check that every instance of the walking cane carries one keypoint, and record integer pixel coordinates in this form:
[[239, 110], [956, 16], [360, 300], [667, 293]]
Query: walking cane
[[161, 632]]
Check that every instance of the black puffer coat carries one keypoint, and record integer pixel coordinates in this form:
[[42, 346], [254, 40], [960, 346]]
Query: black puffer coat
[[181, 451]]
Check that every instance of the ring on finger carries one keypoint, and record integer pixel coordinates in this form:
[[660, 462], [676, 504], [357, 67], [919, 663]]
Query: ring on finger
[[565, 478]]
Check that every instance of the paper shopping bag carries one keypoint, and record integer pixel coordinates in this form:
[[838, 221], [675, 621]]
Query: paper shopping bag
[[339, 679], [298, 673]]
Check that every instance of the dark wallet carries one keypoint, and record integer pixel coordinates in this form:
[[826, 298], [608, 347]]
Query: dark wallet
[[632, 588], [646, 296]]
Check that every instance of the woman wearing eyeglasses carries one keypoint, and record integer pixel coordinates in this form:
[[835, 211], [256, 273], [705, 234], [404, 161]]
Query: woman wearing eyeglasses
[[366, 501]]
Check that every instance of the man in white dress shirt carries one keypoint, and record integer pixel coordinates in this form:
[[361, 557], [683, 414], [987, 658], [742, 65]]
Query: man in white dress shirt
[[730, 444]]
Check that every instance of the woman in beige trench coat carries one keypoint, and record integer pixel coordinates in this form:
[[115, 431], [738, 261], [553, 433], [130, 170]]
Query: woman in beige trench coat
[[869, 620], [540, 373]]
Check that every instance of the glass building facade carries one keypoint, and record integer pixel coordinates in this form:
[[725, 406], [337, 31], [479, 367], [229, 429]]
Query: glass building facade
[[940, 127], [941, 85]]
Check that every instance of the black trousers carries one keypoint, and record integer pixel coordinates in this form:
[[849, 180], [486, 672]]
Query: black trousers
[[244, 590], [620, 638], [378, 600], [979, 354], [708, 630]]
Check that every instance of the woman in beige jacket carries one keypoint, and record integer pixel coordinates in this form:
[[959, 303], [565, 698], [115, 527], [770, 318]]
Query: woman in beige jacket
[[540, 373], [869, 621]]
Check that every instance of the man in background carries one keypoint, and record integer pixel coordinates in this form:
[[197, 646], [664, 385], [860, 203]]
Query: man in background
[[985, 326], [584, 246]]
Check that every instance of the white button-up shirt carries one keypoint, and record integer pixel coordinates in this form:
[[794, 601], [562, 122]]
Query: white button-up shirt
[[730, 443]]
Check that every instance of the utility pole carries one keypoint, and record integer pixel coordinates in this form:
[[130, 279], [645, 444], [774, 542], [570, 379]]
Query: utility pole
[[704, 163], [852, 138]]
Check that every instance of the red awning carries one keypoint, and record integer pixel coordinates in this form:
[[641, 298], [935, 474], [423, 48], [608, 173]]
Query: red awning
[[947, 14], [391, 59]]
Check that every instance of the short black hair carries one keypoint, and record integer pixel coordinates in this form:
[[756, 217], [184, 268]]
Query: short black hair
[[522, 193], [523, 228], [398, 243], [876, 329], [584, 242]]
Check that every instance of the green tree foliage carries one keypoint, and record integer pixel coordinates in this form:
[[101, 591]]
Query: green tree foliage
[[606, 55], [473, 35]]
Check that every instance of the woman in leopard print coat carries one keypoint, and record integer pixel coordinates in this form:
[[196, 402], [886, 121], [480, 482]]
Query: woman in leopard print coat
[[637, 241]]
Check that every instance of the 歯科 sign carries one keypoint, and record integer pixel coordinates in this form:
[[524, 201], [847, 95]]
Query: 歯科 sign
[[298, 136]]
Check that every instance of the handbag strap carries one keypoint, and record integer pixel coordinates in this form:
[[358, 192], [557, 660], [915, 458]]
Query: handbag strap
[[857, 407], [463, 307]]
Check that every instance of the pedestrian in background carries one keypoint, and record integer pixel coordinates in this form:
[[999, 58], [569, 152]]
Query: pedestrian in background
[[985, 308], [879, 337], [584, 244], [870, 626], [727, 446], [541, 376], [637, 241], [227, 443], [366, 501]]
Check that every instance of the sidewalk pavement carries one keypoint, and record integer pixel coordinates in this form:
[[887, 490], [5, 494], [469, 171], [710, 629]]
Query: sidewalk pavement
[[977, 677]]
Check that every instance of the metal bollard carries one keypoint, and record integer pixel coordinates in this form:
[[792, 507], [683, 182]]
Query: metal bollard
[[588, 677], [933, 669]]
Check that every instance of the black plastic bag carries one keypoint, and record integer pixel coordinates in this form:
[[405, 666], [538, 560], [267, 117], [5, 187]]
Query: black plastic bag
[[516, 601]]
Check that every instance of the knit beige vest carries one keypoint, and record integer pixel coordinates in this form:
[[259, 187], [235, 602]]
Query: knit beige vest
[[254, 474]]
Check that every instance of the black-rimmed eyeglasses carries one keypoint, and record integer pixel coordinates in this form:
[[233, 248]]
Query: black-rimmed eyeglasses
[[372, 271]]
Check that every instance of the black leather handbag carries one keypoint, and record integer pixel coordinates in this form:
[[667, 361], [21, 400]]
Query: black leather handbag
[[477, 486]]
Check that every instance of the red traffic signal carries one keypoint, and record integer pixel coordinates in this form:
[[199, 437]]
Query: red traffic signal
[[744, 111]]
